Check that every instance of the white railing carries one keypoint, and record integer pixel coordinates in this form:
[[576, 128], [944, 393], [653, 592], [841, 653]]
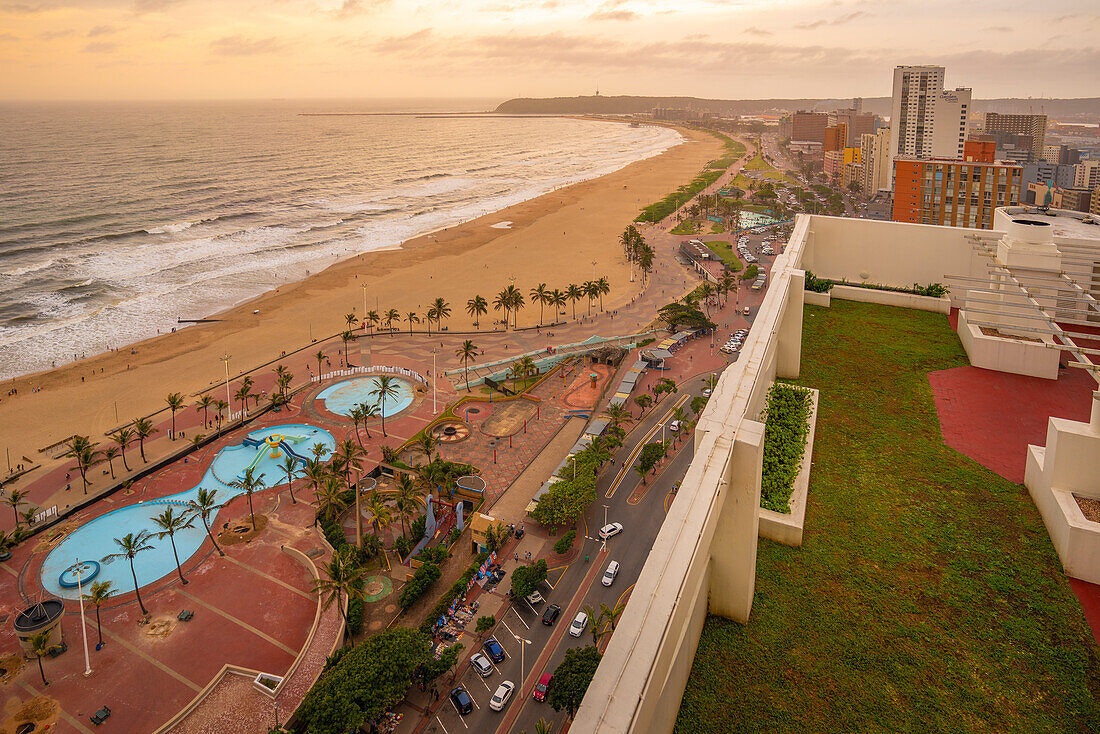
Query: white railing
[[378, 368]]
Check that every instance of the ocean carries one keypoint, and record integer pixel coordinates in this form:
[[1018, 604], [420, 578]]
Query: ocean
[[118, 219]]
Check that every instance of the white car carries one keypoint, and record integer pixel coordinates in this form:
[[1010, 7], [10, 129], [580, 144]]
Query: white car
[[674, 426], [534, 598], [577, 628], [611, 529], [610, 574], [500, 698]]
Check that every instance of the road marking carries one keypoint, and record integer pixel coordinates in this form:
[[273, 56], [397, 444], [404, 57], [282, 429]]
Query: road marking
[[519, 617], [460, 716], [269, 577], [628, 464], [443, 727], [513, 634]]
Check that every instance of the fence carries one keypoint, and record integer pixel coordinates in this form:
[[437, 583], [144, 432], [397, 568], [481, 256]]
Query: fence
[[385, 369]]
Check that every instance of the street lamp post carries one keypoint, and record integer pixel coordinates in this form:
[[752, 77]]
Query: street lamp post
[[228, 397], [276, 714], [573, 458], [364, 306], [78, 569], [435, 378], [603, 547], [522, 643]]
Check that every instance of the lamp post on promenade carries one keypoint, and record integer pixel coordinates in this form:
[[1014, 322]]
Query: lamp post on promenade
[[78, 569], [228, 396]]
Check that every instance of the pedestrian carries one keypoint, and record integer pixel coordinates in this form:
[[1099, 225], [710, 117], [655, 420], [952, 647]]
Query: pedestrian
[[516, 556]]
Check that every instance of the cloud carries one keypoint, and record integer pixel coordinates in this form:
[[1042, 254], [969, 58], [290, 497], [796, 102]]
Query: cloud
[[100, 47], [997, 29], [839, 20], [5, 36], [26, 8], [397, 44], [50, 35], [102, 30], [755, 31], [241, 46], [613, 15], [154, 6]]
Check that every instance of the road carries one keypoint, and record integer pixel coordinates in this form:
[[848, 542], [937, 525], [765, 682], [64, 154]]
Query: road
[[641, 510]]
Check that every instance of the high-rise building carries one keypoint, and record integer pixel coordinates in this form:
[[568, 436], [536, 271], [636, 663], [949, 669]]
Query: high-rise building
[[809, 126], [1087, 174], [1043, 173], [1061, 154], [875, 156], [1094, 202], [836, 137], [927, 121], [1033, 127], [858, 123], [954, 193], [1074, 199]]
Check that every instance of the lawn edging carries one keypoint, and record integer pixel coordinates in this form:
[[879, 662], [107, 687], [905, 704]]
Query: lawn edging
[[786, 528], [892, 298]]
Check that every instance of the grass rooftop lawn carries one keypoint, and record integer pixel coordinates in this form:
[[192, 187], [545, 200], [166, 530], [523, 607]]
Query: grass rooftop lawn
[[927, 595], [724, 250]]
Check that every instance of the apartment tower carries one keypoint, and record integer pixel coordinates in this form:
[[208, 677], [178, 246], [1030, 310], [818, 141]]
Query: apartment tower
[[925, 120]]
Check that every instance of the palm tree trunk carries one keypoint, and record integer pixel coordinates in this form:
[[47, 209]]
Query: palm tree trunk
[[42, 672], [98, 626], [290, 486], [136, 589], [111, 463], [179, 570], [251, 513], [141, 446], [173, 434], [382, 412], [124, 459], [211, 536], [358, 519]]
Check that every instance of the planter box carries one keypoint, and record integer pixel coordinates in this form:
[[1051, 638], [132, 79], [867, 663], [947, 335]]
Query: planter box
[[817, 299], [267, 684], [786, 528], [892, 298]]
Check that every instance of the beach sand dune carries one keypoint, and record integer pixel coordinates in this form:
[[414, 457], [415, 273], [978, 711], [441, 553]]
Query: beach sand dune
[[553, 239]]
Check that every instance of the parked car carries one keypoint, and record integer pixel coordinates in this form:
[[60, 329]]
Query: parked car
[[551, 614], [462, 701], [500, 698], [579, 623], [493, 650], [534, 598], [611, 529], [542, 686], [674, 426], [481, 664], [496, 575], [706, 392], [610, 574], [745, 310]]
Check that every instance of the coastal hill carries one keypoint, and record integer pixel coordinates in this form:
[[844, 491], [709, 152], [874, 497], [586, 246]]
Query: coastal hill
[[1085, 109]]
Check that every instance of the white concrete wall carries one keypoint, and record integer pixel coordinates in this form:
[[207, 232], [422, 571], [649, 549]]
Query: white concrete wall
[[892, 298], [787, 527], [1007, 355]]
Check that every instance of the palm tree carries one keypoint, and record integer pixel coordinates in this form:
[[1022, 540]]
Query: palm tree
[[320, 357], [392, 315], [591, 290], [356, 415], [618, 415], [539, 295], [372, 319], [350, 459], [342, 577], [97, 594], [204, 404], [412, 318], [250, 483], [528, 368], [442, 311], [557, 300], [83, 450], [130, 545], [387, 387], [219, 406], [477, 307], [315, 473], [170, 524], [515, 303], [290, 467], [283, 377], [175, 402], [502, 303], [242, 396], [406, 498], [122, 437], [327, 494], [346, 337], [426, 443], [574, 293], [595, 620], [40, 645], [14, 499], [109, 454], [706, 290], [542, 726], [370, 411], [466, 352], [203, 507], [612, 614], [380, 512], [350, 319]]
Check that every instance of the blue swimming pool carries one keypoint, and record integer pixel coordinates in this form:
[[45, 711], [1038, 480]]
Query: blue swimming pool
[[343, 396], [94, 541]]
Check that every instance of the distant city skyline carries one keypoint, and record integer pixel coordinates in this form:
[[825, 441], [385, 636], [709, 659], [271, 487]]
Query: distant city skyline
[[230, 49]]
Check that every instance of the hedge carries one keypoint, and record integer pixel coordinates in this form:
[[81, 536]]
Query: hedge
[[786, 427], [457, 588], [421, 581]]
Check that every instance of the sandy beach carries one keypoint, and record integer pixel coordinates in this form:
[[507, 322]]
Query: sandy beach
[[552, 239]]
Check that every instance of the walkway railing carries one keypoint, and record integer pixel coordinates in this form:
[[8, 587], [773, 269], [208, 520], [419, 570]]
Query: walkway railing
[[363, 369]]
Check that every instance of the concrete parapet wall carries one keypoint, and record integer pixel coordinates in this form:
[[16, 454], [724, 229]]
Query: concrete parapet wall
[[787, 527], [1007, 355], [818, 299], [892, 298]]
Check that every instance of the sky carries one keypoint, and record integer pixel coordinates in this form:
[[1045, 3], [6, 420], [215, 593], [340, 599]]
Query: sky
[[728, 49]]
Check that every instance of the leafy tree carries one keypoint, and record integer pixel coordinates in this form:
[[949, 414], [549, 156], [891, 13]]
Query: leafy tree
[[565, 543], [424, 577], [526, 579], [449, 659], [572, 678], [648, 458], [698, 403], [366, 681], [643, 401], [677, 315], [484, 624]]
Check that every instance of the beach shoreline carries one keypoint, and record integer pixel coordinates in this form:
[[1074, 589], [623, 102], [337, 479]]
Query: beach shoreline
[[553, 238]]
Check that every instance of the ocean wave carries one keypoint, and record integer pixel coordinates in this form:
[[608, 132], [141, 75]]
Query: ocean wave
[[28, 269]]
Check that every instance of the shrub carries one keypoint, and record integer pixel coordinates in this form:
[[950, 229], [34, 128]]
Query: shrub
[[565, 543], [433, 554], [786, 426], [816, 284], [355, 615], [416, 529], [401, 545], [421, 581], [457, 588], [334, 534]]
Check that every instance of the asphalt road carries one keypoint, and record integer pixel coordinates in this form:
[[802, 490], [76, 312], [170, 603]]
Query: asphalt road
[[578, 584]]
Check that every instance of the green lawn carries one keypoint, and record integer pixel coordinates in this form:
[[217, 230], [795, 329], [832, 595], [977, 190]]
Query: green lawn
[[927, 595], [688, 226], [724, 250], [758, 164]]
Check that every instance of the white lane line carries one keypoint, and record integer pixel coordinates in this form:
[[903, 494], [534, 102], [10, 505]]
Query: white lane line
[[521, 618], [443, 727]]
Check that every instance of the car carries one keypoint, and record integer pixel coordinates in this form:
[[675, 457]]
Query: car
[[496, 575], [745, 310], [462, 701], [674, 426], [551, 614], [520, 532], [706, 392], [481, 664], [500, 698], [610, 574], [542, 686], [611, 529], [493, 650], [579, 623], [534, 598]]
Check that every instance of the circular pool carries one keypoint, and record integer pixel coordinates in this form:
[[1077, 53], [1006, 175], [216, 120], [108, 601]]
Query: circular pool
[[342, 397]]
